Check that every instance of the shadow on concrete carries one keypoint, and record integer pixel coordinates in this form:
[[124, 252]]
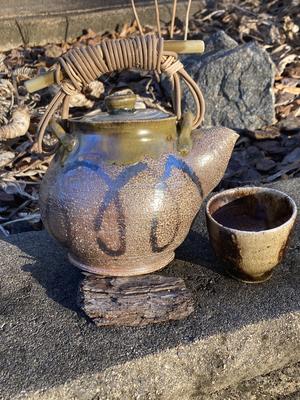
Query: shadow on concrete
[[61, 286], [196, 249], [52, 271]]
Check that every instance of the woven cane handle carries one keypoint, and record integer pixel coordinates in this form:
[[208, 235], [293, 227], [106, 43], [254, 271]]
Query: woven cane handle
[[80, 66]]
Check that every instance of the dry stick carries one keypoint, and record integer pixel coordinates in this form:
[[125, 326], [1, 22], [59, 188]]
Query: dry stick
[[173, 19], [21, 207], [157, 17], [186, 30], [137, 17], [14, 82]]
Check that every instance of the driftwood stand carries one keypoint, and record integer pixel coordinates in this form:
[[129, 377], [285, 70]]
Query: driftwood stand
[[134, 301]]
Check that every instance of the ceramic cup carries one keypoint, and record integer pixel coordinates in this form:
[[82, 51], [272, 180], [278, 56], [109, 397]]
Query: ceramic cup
[[249, 228]]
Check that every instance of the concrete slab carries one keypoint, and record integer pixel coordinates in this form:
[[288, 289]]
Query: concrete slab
[[50, 351]]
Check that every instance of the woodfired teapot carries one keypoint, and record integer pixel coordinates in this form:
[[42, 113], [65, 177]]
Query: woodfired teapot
[[124, 188]]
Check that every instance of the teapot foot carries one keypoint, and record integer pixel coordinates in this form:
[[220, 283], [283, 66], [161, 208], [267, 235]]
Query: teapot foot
[[242, 277], [130, 267]]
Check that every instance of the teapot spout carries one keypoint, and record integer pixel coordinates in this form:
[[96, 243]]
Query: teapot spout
[[209, 157]]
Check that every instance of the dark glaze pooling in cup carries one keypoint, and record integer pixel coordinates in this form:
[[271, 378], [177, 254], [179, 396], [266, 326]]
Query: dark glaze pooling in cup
[[253, 212]]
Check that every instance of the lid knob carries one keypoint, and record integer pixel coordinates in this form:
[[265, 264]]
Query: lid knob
[[121, 100]]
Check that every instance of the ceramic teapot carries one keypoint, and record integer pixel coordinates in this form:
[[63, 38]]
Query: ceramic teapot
[[125, 186]]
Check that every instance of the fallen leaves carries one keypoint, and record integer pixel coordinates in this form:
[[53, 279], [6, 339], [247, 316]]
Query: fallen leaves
[[288, 88], [264, 160], [6, 157]]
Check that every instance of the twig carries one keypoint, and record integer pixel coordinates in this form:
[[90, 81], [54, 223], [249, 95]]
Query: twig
[[67, 29], [4, 231], [14, 82], [217, 13], [27, 218], [21, 207], [244, 10], [285, 170], [187, 15], [23, 36]]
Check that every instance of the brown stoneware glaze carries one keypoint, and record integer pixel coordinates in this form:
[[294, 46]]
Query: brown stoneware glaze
[[122, 198], [249, 228]]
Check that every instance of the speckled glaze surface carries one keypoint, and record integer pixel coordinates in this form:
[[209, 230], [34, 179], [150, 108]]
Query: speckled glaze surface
[[251, 253], [120, 220]]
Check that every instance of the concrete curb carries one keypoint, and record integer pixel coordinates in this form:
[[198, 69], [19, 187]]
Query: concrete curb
[[189, 372], [50, 351]]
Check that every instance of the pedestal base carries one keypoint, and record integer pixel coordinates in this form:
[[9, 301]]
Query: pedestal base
[[134, 301], [132, 267]]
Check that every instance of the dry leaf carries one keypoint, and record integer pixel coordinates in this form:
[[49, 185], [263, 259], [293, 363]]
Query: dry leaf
[[288, 89], [284, 98], [18, 126], [293, 70], [261, 134], [290, 124], [265, 165], [292, 156], [285, 61], [284, 111], [80, 100], [53, 51], [95, 89], [6, 157]]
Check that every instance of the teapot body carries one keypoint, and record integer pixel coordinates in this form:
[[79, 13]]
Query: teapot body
[[127, 219]]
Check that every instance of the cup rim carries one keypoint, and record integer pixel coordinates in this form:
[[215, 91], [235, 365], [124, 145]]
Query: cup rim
[[253, 189]]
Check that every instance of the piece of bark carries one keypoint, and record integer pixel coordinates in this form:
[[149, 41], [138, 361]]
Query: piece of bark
[[134, 301]]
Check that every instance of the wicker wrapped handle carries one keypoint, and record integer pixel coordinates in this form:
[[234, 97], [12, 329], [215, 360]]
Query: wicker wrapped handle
[[81, 66]]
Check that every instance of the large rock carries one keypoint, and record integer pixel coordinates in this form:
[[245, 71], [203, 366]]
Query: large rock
[[218, 41], [237, 83]]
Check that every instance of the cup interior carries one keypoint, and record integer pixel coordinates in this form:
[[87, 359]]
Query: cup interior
[[251, 209]]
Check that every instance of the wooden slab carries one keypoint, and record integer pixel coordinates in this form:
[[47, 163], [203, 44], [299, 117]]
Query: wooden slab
[[134, 301]]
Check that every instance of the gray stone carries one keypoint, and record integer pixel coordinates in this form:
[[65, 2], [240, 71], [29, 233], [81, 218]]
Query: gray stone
[[49, 350], [219, 41], [237, 84]]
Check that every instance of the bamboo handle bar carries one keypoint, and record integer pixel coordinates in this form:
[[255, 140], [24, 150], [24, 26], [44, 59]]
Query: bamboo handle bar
[[178, 46], [41, 81], [185, 46]]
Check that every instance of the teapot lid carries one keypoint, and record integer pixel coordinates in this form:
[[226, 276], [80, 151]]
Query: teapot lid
[[121, 110]]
